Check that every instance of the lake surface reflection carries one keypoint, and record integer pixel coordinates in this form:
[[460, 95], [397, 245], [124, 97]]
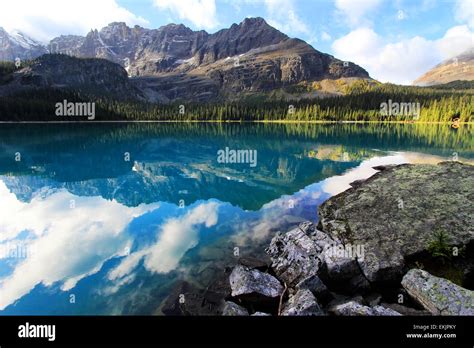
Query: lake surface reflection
[[106, 219]]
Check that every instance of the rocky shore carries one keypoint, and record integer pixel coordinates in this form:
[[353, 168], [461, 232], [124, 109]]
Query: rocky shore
[[398, 243]]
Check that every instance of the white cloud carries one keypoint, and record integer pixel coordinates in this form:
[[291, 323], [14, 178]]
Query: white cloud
[[325, 36], [403, 61], [464, 12], [358, 46], [67, 244], [176, 237], [354, 12], [202, 13], [46, 19], [282, 15], [456, 41]]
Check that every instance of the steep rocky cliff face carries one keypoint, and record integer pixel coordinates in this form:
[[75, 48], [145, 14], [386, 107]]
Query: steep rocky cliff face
[[92, 76]]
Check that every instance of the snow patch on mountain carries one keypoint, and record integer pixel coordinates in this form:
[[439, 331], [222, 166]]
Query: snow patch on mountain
[[23, 40]]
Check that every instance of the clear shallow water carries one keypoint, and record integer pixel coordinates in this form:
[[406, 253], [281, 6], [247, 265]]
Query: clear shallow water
[[78, 218]]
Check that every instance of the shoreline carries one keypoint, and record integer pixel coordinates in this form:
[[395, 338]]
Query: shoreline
[[356, 262], [241, 122], [322, 270]]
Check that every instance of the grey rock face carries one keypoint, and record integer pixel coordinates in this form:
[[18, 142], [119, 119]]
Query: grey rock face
[[376, 214], [303, 303], [233, 309], [94, 76], [295, 256], [261, 314], [246, 282], [305, 252], [339, 265], [439, 296], [317, 288], [341, 269], [67, 44], [353, 308]]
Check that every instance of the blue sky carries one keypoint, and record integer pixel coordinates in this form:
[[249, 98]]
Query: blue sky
[[395, 40], [393, 20]]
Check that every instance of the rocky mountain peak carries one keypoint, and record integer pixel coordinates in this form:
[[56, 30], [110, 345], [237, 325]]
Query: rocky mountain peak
[[116, 25], [176, 29], [256, 28], [254, 22]]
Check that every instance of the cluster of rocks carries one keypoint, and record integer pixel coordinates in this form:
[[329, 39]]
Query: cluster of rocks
[[360, 258], [364, 256], [307, 278]]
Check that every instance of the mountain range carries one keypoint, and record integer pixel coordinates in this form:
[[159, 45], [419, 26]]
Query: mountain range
[[174, 62]]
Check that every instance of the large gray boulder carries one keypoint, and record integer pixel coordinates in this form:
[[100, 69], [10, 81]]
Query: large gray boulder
[[254, 284], [439, 296], [305, 252], [303, 303], [353, 308], [397, 212], [296, 254]]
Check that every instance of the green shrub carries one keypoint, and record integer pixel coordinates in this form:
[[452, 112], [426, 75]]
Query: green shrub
[[439, 247]]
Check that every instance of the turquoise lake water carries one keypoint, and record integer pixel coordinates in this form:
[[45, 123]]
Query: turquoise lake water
[[114, 215]]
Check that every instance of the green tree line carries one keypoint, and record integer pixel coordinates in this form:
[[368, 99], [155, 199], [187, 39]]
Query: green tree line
[[360, 104]]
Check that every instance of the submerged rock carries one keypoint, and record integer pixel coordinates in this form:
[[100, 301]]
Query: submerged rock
[[397, 212], [303, 303], [188, 300], [439, 296], [233, 309], [353, 308], [254, 284]]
